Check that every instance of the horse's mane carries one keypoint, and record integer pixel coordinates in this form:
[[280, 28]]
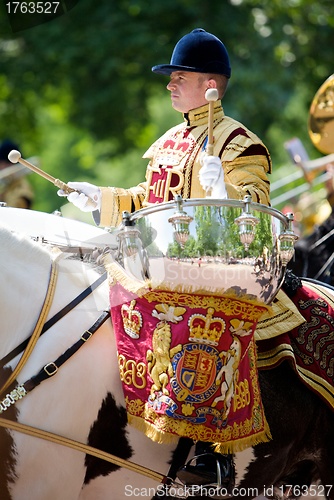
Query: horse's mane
[[12, 241]]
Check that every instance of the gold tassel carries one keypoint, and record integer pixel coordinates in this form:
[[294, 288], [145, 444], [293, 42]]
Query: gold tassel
[[151, 432]]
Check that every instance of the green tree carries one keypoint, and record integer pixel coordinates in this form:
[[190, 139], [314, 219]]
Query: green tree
[[79, 93]]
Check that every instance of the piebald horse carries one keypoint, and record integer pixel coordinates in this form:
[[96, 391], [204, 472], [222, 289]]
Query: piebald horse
[[83, 400]]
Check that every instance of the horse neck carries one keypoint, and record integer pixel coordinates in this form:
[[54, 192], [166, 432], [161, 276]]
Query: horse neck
[[74, 276], [24, 272], [25, 268]]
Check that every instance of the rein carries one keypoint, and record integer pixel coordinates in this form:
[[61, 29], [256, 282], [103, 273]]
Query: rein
[[60, 314], [84, 448], [52, 367], [327, 265], [321, 240], [38, 327], [48, 371]]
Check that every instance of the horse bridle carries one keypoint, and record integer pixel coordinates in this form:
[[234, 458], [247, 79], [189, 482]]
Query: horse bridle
[[51, 368], [32, 340], [60, 314], [41, 327]]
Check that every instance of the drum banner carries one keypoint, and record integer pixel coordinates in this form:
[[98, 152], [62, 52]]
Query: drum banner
[[309, 346], [188, 367]]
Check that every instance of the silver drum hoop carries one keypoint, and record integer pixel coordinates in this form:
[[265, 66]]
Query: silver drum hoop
[[208, 246]]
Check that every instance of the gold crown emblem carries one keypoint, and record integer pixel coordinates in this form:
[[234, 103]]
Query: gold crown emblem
[[206, 329], [173, 151], [132, 320]]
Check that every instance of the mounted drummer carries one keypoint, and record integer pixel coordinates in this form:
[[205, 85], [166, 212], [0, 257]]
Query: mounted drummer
[[177, 165], [180, 162]]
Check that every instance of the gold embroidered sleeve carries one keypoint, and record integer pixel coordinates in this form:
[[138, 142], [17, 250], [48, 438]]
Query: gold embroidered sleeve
[[248, 175], [116, 200]]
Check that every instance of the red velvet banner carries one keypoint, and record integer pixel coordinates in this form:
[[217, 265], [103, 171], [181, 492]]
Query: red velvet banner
[[188, 366]]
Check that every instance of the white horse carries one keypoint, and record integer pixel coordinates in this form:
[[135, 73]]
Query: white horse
[[83, 401], [68, 402]]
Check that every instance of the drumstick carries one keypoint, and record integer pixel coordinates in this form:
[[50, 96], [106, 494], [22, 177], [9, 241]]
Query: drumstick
[[211, 95], [15, 157]]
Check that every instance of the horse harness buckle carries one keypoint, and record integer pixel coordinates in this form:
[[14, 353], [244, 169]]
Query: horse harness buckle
[[86, 335], [50, 369]]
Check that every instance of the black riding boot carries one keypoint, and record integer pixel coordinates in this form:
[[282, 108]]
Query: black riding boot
[[208, 467]]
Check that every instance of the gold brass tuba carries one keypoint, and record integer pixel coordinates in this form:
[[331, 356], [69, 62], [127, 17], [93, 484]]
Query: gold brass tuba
[[321, 118], [321, 132]]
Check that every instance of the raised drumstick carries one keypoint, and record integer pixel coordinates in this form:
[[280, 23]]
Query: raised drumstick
[[15, 157], [211, 95]]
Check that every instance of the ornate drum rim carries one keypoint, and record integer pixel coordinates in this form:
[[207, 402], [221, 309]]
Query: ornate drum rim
[[210, 202]]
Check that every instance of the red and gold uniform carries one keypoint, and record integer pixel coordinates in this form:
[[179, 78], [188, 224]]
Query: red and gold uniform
[[174, 163]]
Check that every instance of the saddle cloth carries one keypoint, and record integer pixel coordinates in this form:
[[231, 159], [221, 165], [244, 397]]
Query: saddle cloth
[[188, 366], [301, 330]]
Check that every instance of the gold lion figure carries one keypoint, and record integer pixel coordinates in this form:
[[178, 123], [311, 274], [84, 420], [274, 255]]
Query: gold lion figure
[[159, 359]]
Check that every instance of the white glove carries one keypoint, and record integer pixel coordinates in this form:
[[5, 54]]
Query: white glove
[[211, 176], [86, 197]]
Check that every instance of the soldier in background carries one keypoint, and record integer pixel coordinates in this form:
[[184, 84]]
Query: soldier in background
[[15, 190]]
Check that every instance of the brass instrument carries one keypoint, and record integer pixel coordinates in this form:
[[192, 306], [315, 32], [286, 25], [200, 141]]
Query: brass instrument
[[307, 180], [321, 118]]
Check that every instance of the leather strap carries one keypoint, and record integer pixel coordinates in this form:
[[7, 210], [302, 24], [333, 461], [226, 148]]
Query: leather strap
[[55, 318], [76, 445], [180, 456], [38, 327], [51, 369]]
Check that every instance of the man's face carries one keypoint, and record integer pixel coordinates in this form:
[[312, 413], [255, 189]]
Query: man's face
[[187, 90]]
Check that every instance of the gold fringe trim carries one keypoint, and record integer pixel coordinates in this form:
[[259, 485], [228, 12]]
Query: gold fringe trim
[[280, 317], [212, 292], [116, 273], [230, 305], [244, 443], [161, 437], [158, 436]]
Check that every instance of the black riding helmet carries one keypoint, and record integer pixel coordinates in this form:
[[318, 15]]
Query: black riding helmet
[[200, 52]]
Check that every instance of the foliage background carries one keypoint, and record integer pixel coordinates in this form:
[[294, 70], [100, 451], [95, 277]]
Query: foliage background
[[78, 91]]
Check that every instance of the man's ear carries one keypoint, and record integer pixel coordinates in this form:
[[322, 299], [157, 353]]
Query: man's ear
[[212, 84]]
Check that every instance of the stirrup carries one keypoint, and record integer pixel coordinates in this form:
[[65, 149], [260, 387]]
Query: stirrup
[[200, 474]]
